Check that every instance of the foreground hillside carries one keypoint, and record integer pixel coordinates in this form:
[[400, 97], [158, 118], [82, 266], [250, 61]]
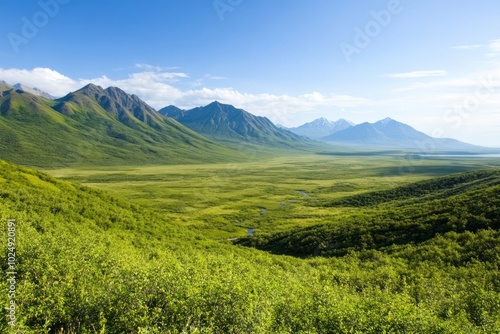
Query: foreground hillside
[[414, 214], [88, 262]]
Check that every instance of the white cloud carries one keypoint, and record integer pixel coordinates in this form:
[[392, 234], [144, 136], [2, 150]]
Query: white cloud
[[150, 67], [418, 74], [494, 48], [46, 79], [469, 47], [489, 79]]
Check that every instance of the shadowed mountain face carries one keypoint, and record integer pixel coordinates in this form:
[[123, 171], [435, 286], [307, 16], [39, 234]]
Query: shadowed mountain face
[[226, 123], [128, 109], [321, 127], [389, 133], [172, 112], [96, 126]]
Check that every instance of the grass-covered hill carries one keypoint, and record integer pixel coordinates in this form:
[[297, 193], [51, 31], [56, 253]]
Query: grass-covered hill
[[87, 262], [406, 215], [95, 126]]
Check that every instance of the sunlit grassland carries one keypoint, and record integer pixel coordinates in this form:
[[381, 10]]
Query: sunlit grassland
[[270, 195]]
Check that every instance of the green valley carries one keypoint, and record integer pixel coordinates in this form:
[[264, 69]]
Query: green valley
[[225, 199]]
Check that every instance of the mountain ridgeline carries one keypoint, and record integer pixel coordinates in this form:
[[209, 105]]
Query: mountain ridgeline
[[384, 134], [228, 124], [95, 126], [389, 133]]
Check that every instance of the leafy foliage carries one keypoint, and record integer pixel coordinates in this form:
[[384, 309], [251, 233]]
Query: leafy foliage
[[91, 263], [472, 203], [430, 189]]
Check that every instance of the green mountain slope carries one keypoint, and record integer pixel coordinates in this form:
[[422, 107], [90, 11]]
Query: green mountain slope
[[93, 126], [87, 262], [413, 214], [228, 124]]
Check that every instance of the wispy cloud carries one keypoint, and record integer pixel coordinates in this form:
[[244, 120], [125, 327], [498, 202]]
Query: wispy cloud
[[494, 48], [214, 77], [149, 67], [469, 47], [417, 74], [202, 81]]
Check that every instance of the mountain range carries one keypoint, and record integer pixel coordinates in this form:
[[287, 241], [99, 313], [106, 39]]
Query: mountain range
[[389, 133], [230, 125], [96, 126], [386, 134]]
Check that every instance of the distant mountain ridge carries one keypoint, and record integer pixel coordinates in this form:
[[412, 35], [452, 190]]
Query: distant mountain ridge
[[228, 124], [173, 112], [389, 133], [321, 127], [20, 87], [34, 91]]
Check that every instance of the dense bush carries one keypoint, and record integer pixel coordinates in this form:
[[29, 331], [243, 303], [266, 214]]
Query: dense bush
[[396, 223], [89, 263], [422, 191]]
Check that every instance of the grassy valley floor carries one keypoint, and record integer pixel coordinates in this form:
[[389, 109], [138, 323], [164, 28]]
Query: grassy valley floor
[[273, 195]]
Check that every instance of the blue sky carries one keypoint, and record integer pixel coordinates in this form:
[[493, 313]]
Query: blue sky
[[432, 64]]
